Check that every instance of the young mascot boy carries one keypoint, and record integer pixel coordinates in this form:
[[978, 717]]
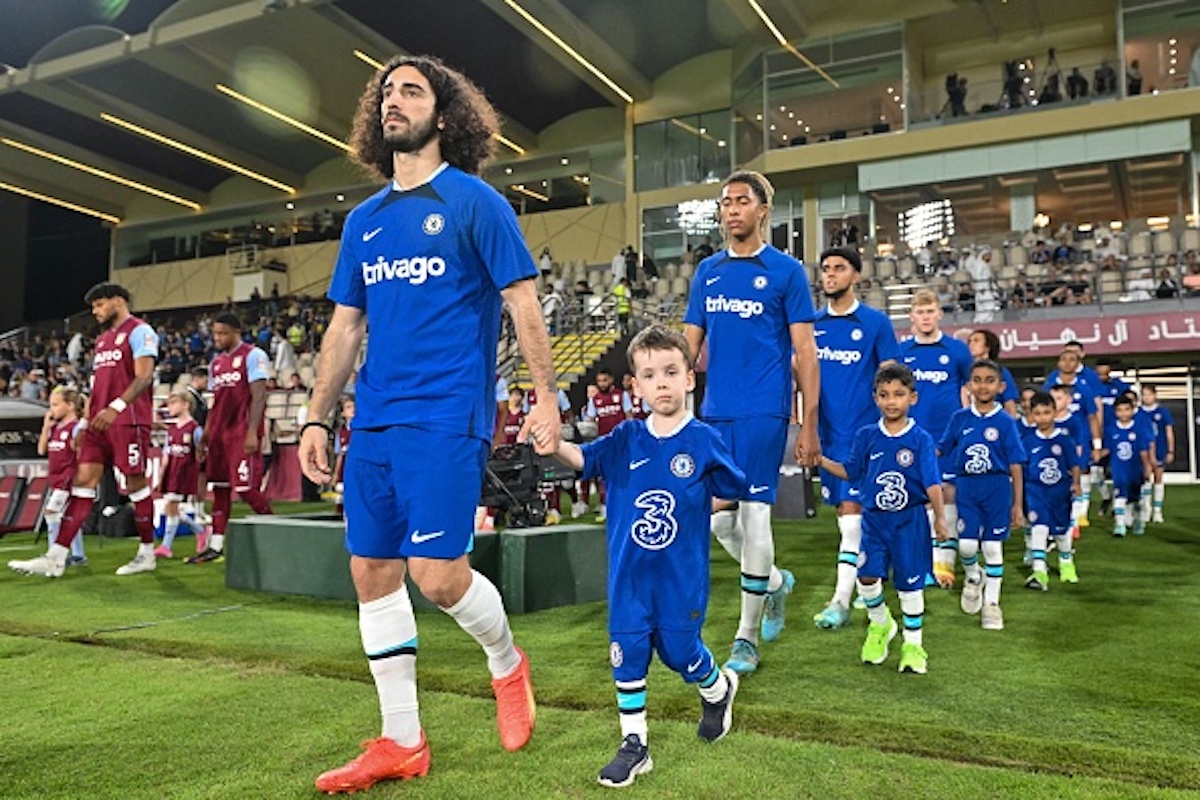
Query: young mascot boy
[[1051, 480], [894, 465], [662, 474]]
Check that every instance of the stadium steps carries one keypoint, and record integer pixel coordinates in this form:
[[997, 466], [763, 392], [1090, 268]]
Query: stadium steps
[[574, 355]]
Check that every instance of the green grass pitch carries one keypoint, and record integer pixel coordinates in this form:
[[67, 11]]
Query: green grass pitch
[[170, 685]]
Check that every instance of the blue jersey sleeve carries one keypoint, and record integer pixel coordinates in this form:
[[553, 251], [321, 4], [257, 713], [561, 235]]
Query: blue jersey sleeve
[[501, 389], [856, 463], [694, 315], [927, 464], [963, 361], [886, 346], [1010, 387], [257, 366], [497, 239], [347, 287], [799, 298], [196, 434], [602, 456], [949, 438], [1014, 448], [143, 341], [722, 476]]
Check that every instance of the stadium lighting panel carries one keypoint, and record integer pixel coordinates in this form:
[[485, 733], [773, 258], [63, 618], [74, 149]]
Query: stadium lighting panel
[[58, 201], [279, 115]]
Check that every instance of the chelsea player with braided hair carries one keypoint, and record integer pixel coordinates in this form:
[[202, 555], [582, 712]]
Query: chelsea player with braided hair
[[894, 467], [661, 473]]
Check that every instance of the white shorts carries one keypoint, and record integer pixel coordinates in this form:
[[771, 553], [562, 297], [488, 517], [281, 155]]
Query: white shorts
[[58, 501]]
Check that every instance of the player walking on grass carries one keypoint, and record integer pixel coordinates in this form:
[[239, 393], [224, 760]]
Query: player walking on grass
[[753, 306], [118, 432], [662, 474], [1163, 450], [853, 341], [231, 446], [181, 459], [428, 260], [893, 463], [941, 366], [984, 451]]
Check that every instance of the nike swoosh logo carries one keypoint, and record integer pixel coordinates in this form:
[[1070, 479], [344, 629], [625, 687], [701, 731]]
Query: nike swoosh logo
[[876, 455], [696, 666], [638, 463], [911, 581], [967, 430], [909, 359], [820, 333], [711, 281], [758, 489], [419, 538], [369, 236]]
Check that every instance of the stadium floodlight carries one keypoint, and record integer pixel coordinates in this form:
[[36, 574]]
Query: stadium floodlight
[[571, 51], [58, 201], [282, 117], [99, 173], [192, 151]]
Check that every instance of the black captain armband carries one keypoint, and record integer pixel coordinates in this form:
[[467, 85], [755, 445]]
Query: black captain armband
[[328, 430]]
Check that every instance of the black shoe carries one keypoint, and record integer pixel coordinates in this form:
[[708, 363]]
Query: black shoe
[[77, 561], [630, 761], [209, 555], [717, 718], [1105, 507]]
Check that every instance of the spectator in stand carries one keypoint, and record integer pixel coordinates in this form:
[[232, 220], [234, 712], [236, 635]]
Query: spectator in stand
[[618, 265], [1133, 79], [966, 296], [1040, 254], [552, 307], [1141, 287], [1023, 292], [34, 387], [1104, 79], [631, 263], [623, 295], [1080, 290], [1064, 253], [1053, 289], [947, 299], [546, 263], [296, 384], [1191, 279], [284, 353], [1077, 85], [641, 291], [1168, 287], [295, 334]]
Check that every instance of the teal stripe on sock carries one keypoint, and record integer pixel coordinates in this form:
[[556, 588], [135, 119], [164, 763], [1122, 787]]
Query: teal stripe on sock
[[913, 623], [846, 557], [994, 570]]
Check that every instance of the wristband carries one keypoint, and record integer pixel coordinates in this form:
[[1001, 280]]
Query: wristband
[[118, 405], [1096, 444], [328, 430]]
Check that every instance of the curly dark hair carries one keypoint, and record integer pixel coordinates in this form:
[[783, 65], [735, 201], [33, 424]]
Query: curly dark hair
[[470, 122]]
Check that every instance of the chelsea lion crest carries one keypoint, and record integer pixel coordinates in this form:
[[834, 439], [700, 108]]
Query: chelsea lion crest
[[433, 224], [682, 466]]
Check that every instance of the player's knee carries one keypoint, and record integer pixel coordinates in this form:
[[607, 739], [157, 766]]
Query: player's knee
[[685, 656]]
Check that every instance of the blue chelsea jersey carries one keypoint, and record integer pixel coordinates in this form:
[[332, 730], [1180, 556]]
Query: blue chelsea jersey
[[427, 266], [1051, 458], [745, 306], [941, 368], [660, 490], [893, 471], [1160, 419], [1125, 444], [982, 444], [850, 348]]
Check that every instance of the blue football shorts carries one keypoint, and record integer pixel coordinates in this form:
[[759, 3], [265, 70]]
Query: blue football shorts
[[757, 445]]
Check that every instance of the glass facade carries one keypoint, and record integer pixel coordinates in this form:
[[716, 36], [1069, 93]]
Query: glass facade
[[681, 151]]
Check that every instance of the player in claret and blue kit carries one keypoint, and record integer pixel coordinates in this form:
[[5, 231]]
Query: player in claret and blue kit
[[662, 474]]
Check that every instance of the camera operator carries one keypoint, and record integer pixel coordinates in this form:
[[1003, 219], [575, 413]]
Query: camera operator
[[956, 91]]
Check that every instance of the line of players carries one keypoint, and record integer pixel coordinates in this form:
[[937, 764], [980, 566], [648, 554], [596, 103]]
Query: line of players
[[116, 434], [996, 469]]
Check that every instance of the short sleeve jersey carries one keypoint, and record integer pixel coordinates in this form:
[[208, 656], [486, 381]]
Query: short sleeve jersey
[[1126, 443], [893, 472], [940, 368], [982, 444], [1110, 390], [182, 467], [60, 455], [229, 377], [1161, 418], [1010, 387], [1076, 425], [660, 490], [850, 348], [746, 305], [608, 409], [113, 369], [513, 422], [1051, 459], [1082, 398], [427, 265]]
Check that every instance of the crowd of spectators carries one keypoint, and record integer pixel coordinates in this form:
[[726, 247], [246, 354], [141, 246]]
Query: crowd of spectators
[[283, 326]]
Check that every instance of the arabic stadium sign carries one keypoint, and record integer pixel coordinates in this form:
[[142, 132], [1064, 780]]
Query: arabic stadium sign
[[1149, 333]]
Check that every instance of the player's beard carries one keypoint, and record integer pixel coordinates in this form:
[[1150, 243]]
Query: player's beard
[[414, 138], [837, 294]]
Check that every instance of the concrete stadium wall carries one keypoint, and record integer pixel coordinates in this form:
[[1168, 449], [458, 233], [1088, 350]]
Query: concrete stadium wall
[[590, 233]]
